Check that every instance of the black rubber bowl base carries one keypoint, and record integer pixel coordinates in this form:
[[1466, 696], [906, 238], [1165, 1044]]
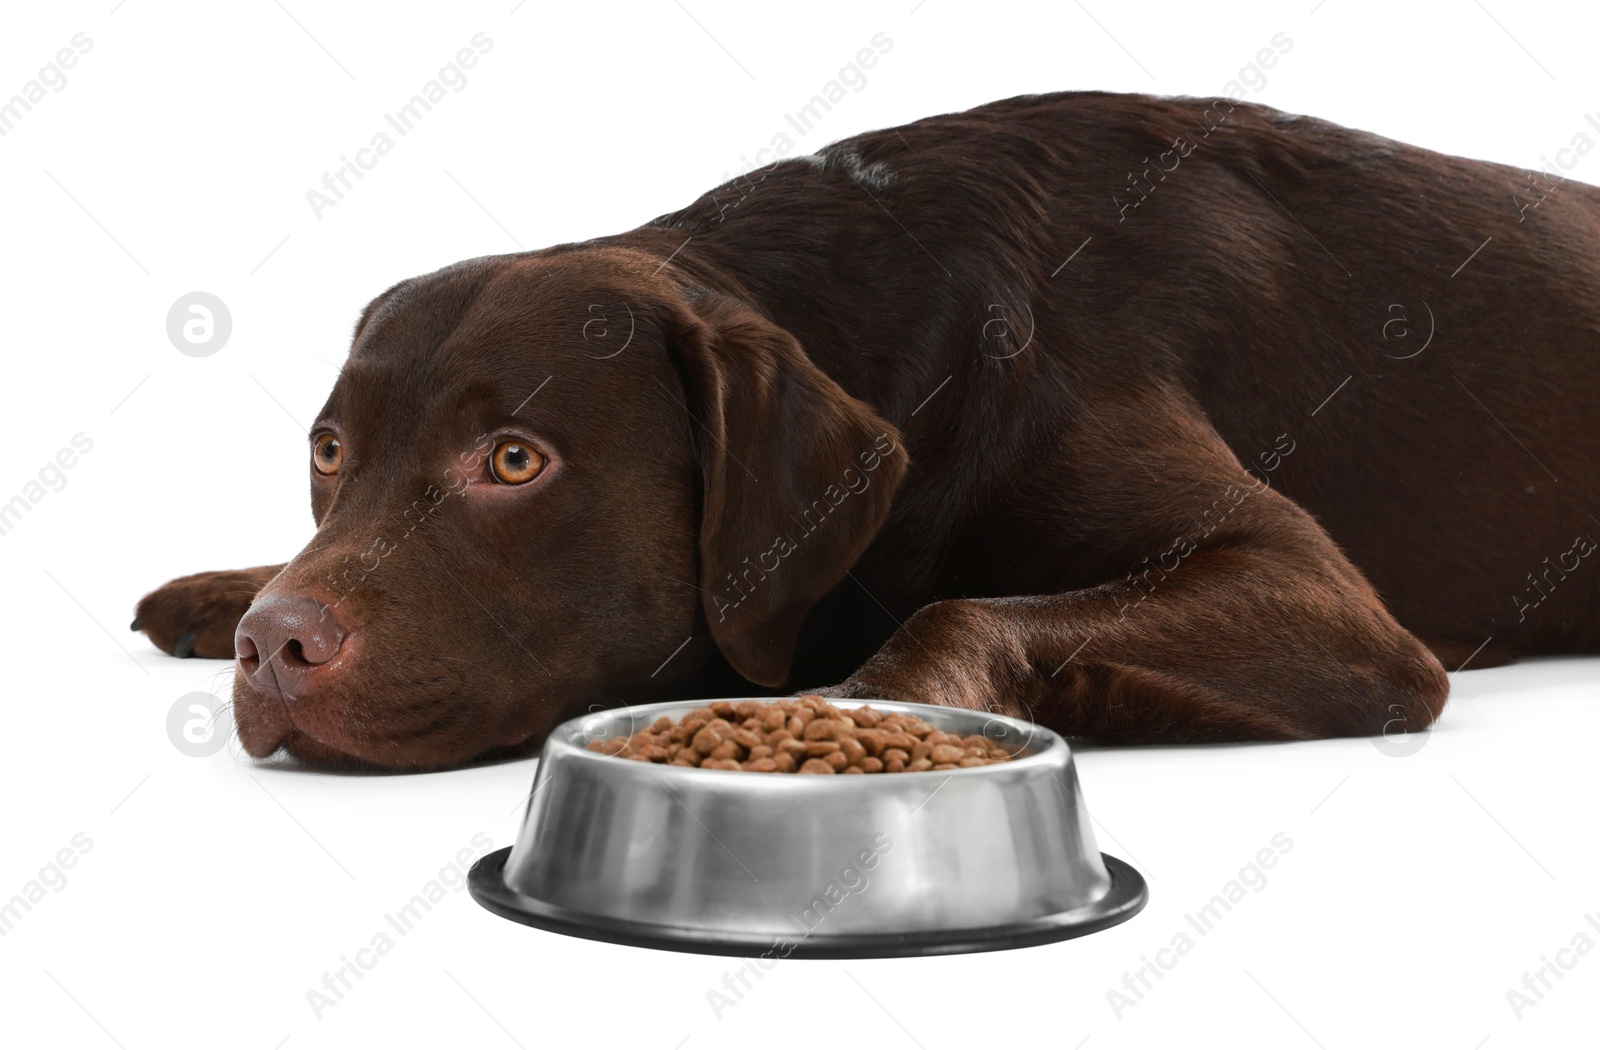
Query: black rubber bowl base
[[1127, 896]]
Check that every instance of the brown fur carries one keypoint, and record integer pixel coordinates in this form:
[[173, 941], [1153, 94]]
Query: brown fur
[[856, 418]]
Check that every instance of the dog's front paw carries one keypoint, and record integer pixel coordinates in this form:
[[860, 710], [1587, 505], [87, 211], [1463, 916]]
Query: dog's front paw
[[948, 653], [849, 689], [929, 683], [197, 615]]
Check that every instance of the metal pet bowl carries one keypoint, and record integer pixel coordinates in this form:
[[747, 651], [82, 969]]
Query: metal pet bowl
[[780, 865]]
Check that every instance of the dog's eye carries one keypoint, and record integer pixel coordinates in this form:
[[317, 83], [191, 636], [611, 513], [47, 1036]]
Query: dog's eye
[[514, 463], [326, 452]]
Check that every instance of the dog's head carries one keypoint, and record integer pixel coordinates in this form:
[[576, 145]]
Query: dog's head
[[549, 481]]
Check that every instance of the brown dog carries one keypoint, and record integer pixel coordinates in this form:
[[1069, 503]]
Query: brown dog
[[1150, 419]]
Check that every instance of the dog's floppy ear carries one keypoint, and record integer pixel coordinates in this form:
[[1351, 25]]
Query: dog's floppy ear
[[797, 474]]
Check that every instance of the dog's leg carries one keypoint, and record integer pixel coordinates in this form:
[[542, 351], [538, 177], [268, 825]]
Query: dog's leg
[[1259, 629], [1265, 644], [1241, 650], [196, 615]]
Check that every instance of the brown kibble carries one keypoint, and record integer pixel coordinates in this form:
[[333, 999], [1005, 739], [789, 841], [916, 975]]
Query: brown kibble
[[821, 729], [801, 734]]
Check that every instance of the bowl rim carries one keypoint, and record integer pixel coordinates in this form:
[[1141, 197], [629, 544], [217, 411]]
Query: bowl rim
[[1052, 750]]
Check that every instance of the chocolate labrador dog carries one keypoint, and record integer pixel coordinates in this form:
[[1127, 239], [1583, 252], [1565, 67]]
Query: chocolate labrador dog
[[1153, 420]]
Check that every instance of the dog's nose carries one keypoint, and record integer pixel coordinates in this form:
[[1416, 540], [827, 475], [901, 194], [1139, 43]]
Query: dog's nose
[[280, 639]]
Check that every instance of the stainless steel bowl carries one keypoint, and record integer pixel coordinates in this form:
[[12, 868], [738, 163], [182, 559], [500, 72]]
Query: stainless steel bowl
[[780, 865]]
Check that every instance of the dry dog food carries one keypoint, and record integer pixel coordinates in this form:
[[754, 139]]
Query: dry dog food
[[801, 735]]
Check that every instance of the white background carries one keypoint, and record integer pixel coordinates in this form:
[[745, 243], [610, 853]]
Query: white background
[[217, 892]]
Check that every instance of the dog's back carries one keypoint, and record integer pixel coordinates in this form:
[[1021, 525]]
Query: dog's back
[[1405, 337]]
